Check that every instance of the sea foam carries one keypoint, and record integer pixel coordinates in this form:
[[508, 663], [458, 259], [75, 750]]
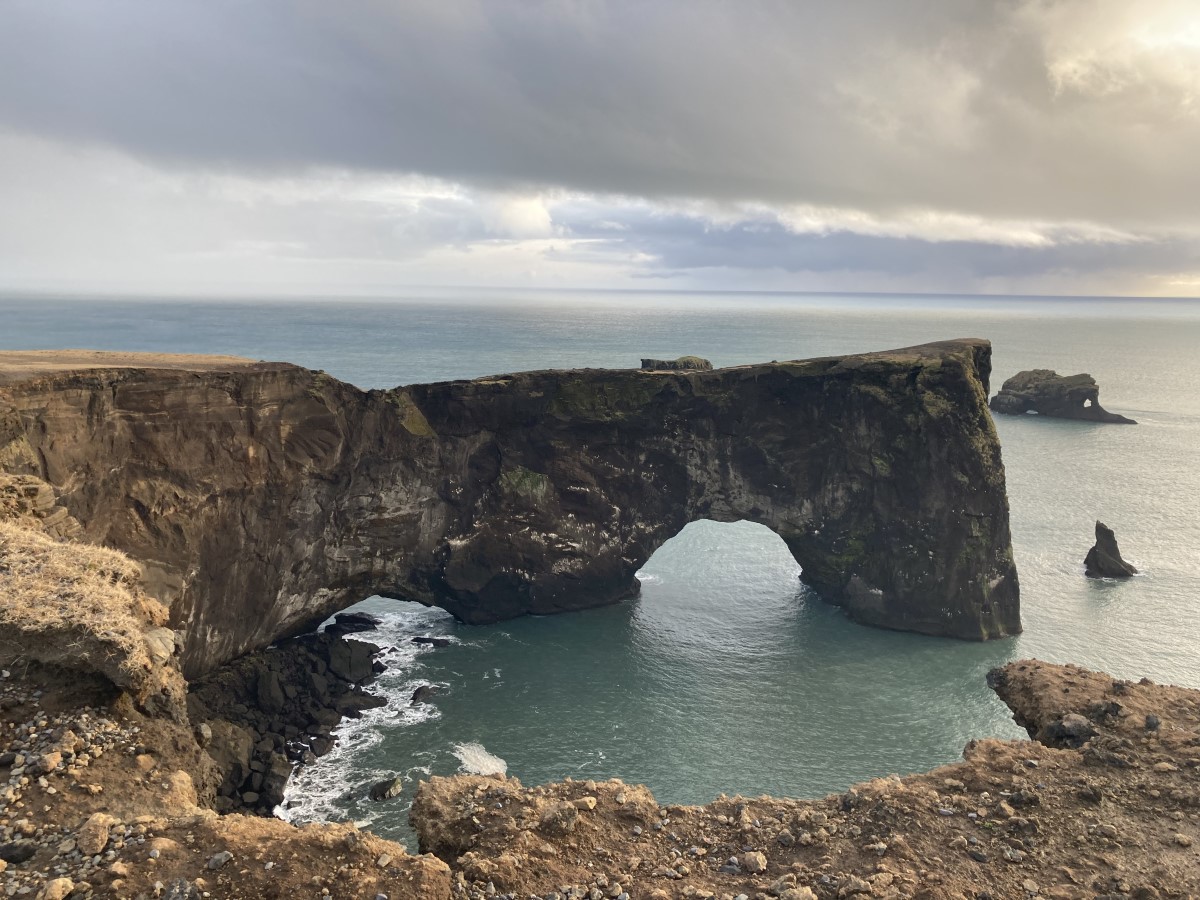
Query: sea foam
[[477, 761]]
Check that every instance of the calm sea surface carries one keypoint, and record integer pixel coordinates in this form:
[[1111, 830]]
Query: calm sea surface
[[727, 675]]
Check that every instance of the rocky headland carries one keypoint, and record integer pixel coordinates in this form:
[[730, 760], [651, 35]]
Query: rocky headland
[[259, 498], [120, 778], [1047, 393]]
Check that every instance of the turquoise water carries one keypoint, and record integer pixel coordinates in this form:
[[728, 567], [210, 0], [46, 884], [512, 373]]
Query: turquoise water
[[727, 674]]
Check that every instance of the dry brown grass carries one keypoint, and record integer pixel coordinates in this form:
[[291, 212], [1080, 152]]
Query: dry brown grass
[[81, 607]]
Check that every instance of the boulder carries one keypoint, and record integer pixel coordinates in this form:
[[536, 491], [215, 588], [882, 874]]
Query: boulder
[[270, 692], [1104, 559], [1045, 392], [682, 364], [424, 693], [232, 749], [351, 660], [386, 789], [351, 622], [92, 836], [432, 641]]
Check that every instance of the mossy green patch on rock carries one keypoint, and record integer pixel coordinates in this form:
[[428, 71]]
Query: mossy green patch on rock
[[604, 396], [411, 417], [321, 382], [523, 482]]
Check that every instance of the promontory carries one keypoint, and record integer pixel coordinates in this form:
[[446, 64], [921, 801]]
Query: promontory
[[259, 498]]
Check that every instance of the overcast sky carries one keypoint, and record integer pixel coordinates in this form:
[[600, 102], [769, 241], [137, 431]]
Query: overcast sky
[[220, 146]]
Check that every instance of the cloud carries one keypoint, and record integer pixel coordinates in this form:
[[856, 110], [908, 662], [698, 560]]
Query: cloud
[[947, 142]]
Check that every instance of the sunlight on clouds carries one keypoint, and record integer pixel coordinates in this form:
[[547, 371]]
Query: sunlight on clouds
[[933, 225], [517, 216], [1104, 49]]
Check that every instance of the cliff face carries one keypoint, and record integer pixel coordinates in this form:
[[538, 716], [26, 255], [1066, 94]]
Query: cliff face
[[260, 498]]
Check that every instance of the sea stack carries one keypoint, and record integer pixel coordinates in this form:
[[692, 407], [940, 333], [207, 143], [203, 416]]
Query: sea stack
[[1047, 393], [1104, 559]]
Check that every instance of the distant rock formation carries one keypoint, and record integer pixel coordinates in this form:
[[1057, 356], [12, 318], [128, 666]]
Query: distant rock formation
[[1104, 559], [1047, 393], [683, 364]]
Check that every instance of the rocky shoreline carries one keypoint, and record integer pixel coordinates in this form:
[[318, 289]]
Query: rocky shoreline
[[101, 800], [264, 714], [114, 789]]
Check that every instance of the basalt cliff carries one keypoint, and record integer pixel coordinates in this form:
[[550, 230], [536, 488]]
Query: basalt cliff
[[261, 497]]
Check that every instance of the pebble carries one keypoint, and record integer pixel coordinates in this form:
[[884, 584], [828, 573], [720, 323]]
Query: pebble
[[1183, 840], [218, 859]]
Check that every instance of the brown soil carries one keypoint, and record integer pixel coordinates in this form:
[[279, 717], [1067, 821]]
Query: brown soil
[[143, 781]]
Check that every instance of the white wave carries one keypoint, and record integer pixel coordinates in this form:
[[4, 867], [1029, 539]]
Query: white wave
[[477, 761], [317, 792]]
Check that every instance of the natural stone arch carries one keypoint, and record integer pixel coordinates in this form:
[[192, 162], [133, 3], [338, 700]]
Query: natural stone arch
[[881, 474], [263, 498]]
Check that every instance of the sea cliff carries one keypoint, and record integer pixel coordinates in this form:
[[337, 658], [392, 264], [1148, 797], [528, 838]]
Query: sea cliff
[[259, 498], [113, 778]]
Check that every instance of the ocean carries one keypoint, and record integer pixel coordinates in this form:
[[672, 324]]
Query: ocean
[[727, 674]]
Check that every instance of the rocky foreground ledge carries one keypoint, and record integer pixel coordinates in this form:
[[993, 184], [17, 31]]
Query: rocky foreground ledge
[[1102, 803], [102, 800], [109, 786]]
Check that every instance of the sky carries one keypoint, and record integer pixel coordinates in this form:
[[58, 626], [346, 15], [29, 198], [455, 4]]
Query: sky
[[205, 147]]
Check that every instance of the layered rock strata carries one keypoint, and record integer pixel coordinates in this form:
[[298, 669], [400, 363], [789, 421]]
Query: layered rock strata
[[1047, 393], [260, 498]]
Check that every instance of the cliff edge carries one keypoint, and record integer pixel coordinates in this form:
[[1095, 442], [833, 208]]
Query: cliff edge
[[259, 498]]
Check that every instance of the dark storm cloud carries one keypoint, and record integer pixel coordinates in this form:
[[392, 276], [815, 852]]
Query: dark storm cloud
[[987, 108]]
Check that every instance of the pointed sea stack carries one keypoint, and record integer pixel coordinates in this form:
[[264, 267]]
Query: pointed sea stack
[[1104, 559], [1047, 393]]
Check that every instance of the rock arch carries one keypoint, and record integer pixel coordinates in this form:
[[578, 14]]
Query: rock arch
[[262, 498]]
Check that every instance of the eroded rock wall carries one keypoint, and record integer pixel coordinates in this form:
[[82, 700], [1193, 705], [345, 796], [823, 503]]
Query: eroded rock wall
[[263, 498]]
